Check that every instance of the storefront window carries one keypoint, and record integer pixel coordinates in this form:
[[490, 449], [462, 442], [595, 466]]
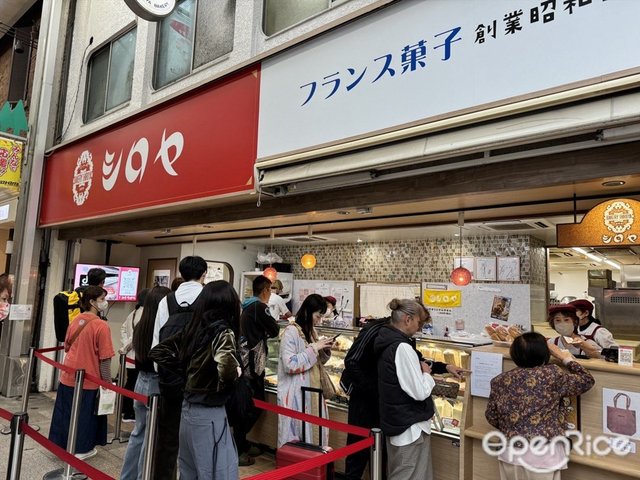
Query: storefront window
[[281, 14], [197, 32], [110, 76]]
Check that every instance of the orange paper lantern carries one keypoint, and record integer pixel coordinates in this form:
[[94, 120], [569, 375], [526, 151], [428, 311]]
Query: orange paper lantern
[[460, 276], [308, 261], [271, 273]]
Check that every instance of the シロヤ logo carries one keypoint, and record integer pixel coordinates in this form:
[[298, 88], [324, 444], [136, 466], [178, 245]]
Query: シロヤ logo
[[618, 217], [82, 178]]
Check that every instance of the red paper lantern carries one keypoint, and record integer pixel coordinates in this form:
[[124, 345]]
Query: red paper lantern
[[308, 261], [271, 273], [460, 276]]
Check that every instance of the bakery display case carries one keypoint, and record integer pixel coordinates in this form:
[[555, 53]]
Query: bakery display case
[[449, 404]]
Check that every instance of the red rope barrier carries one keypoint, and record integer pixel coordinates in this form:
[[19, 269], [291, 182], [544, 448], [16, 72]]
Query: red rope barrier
[[62, 454], [324, 422], [128, 360], [6, 415], [55, 364], [50, 349], [127, 393], [290, 470], [122, 391]]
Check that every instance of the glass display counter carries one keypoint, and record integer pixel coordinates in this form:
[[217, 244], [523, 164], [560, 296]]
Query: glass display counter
[[457, 352]]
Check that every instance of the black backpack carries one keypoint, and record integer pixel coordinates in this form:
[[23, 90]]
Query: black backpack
[[66, 307], [172, 381]]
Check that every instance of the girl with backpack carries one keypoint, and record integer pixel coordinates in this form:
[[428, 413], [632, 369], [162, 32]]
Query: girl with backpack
[[208, 352]]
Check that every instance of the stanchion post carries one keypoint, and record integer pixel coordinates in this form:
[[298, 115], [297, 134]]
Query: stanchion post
[[75, 415], [26, 387], [17, 444], [118, 411], [376, 454], [150, 437]]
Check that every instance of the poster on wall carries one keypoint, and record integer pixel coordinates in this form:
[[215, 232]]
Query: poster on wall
[[343, 291], [500, 308], [620, 412], [162, 278]]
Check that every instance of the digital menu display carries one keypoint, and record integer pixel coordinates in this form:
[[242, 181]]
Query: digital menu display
[[121, 283]]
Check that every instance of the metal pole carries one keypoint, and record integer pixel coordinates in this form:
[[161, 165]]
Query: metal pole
[[118, 419], [17, 443], [26, 384], [376, 454], [75, 414], [150, 437]]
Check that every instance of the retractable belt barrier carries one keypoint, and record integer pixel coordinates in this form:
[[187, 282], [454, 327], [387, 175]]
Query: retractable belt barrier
[[369, 437], [329, 457], [122, 391], [59, 452]]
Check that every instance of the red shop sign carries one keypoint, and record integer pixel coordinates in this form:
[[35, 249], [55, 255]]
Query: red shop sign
[[200, 145]]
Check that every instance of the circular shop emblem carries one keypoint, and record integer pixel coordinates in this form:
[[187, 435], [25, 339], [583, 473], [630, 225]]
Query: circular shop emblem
[[619, 217], [82, 176], [151, 10]]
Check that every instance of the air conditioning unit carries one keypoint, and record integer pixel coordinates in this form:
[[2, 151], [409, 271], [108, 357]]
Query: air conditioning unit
[[516, 225], [307, 239]]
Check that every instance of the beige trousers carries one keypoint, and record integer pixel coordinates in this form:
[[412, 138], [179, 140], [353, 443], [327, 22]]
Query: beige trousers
[[410, 462], [517, 472]]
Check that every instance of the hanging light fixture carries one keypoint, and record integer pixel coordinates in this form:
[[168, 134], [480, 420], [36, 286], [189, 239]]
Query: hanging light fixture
[[460, 276], [308, 261], [271, 273]]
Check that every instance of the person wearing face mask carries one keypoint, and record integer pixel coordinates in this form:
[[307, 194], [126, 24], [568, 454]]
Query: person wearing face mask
[[302, 352], [563, 319], [5, 298], [589, 328], [87, 345]]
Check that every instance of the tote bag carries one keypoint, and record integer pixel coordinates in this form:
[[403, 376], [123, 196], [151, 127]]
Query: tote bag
[[621, 420]]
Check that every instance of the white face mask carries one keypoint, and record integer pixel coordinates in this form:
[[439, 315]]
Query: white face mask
[[102, 306], [565, 329]]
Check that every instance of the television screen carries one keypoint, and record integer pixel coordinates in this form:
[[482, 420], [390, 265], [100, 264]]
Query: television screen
[[121, 283]]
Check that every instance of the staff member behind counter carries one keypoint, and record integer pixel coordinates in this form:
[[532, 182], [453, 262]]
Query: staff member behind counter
[[563, 319], [589, 328]]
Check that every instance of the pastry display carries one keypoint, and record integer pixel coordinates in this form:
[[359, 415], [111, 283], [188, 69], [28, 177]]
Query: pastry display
[[502, 333]]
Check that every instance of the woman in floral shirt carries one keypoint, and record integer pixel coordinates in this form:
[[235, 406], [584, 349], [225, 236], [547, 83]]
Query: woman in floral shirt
[[527, 401]]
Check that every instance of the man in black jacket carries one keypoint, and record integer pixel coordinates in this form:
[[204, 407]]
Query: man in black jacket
[[256, 326], [360, 381]]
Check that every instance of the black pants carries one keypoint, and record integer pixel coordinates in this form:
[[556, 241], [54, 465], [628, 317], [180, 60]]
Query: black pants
[[130, 384], [167, 440], [363, 412], [240, 431]]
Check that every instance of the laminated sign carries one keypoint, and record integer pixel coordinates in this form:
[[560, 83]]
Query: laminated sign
[[442, 298], [10, 161]]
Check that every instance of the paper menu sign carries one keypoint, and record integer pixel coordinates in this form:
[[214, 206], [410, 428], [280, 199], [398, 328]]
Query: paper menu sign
[[484, 367]]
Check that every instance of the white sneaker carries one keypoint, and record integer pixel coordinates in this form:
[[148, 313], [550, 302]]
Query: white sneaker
[[89, 454]]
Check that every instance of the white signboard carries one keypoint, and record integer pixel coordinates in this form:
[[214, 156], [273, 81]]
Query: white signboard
[[484, 368], [20, 312], [417, 60]]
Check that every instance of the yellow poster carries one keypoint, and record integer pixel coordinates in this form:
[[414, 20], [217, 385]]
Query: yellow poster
[[442, 298], [10, 163]]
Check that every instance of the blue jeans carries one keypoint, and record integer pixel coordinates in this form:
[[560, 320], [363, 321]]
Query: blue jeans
[[206, 444], [147, 384]]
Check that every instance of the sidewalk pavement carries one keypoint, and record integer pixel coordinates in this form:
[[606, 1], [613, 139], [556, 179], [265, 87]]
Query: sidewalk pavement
[[36, 461]]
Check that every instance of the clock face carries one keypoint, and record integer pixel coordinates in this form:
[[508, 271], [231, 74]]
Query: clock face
[[151, 10]]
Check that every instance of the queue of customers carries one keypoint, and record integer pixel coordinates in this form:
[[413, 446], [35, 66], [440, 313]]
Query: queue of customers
[[193, 345]]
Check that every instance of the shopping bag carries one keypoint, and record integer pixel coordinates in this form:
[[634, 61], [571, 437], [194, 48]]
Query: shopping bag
[[106, 401], [621, 420]]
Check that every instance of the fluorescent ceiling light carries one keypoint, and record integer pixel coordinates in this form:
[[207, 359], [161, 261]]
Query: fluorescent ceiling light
[[612, 263], [592, 256]]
